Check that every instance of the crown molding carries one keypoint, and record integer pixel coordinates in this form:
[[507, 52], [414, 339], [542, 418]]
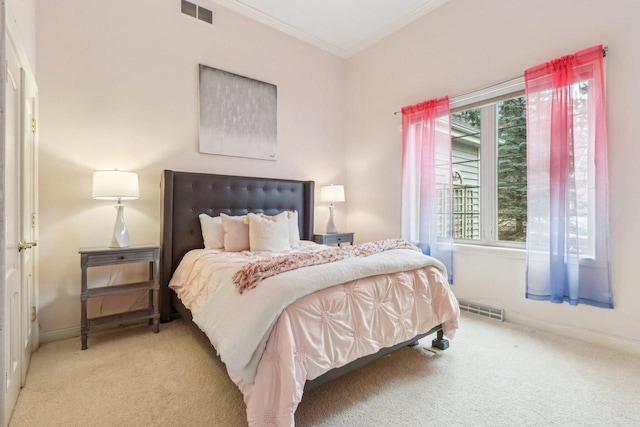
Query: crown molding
[[341, 52], [393, 27], [272, 22]]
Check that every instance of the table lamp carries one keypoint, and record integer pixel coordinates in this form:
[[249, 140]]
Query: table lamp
[[332, 194], [117, 185]]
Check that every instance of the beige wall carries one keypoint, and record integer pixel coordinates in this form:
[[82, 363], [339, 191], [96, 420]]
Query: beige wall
[[469, 44], [118, 88]]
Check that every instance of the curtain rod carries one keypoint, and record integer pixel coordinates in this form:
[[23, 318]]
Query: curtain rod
[[605, 49]]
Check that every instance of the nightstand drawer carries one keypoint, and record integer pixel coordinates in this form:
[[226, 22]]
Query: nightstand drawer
[[97, 259], [332, 239]]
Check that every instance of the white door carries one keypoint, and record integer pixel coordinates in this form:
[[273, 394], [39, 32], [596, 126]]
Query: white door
[[28, 209], [13, 297], [21, 214]]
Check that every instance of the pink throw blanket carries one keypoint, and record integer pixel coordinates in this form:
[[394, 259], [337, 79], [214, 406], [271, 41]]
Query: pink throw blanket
[[250, 275]]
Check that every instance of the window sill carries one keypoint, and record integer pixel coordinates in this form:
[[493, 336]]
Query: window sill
[[490, 250]]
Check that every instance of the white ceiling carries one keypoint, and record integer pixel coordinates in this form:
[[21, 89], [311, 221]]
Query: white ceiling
[[342, 27]]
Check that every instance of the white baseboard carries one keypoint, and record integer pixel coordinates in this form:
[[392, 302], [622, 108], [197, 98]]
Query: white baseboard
[[74, 332], [59, 334], [613, 342], [617, 343]]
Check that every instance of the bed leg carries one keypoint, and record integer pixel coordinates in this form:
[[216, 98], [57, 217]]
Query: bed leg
[[440, 342]]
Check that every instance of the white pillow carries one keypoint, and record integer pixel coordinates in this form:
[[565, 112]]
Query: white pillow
[[212, 231], [294, 230], [236, 233], [269, 234]]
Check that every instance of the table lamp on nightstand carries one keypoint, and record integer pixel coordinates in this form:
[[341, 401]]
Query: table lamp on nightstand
[[117, 185], [332, 194]]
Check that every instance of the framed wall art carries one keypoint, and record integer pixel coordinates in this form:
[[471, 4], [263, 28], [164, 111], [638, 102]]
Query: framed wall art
[[238, 115]]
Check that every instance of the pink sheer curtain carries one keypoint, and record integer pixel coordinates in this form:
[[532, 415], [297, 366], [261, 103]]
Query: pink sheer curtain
[[427, 179], [568, 188]]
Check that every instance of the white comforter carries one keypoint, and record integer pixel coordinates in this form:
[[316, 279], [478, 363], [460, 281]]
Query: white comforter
[[402, 294]]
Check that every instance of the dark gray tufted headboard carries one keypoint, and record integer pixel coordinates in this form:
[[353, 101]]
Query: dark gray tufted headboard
[[185, 195]]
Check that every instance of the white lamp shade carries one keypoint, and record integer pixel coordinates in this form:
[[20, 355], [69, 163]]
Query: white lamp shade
[[332, 193], [115, 185]]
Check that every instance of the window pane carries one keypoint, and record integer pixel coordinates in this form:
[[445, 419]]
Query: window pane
[[465, 151], [582, 204], [512, 170]]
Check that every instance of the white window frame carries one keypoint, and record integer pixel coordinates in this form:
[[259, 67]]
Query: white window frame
[[488, 157]]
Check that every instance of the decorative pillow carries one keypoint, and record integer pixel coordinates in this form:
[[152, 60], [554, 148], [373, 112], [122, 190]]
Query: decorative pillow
[[282, 216], [269, 234], [294, 230], [212, 231], [236, 233]]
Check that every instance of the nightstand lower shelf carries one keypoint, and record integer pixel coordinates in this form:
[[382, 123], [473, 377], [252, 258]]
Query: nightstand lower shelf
[[118, 289], [120, 319]]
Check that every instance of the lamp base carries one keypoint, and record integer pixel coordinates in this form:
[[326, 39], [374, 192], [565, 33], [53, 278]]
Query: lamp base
[[331, 227], [120, 237]]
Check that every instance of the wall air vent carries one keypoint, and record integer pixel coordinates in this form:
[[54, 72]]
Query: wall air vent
[[482, 310], [196, 11]]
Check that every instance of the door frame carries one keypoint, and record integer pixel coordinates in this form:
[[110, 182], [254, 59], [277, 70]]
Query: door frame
[[3, 226]]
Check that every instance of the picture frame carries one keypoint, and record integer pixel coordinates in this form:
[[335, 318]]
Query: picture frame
[[238, 115]]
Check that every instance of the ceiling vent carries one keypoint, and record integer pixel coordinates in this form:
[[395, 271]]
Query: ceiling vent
[[196, 11]]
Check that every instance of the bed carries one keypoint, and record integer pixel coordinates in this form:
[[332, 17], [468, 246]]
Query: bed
[[186, 195]]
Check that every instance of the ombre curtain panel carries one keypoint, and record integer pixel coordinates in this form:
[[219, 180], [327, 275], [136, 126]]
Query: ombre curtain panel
[[427, 180], [568, 187]]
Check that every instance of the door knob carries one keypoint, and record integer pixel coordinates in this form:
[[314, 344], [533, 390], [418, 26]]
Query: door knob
[[26, 245]]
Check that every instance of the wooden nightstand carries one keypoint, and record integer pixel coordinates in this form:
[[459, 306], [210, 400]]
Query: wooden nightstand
[[94, 257], [332, 239]]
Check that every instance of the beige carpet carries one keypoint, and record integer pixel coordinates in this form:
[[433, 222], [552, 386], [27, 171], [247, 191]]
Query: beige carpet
[[494, 374]]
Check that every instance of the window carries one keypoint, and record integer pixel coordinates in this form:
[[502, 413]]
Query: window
[[488, 137], [465, 159], [512, 170]]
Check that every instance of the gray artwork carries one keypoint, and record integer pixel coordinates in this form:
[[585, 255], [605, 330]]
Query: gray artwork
[[238, 115]]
